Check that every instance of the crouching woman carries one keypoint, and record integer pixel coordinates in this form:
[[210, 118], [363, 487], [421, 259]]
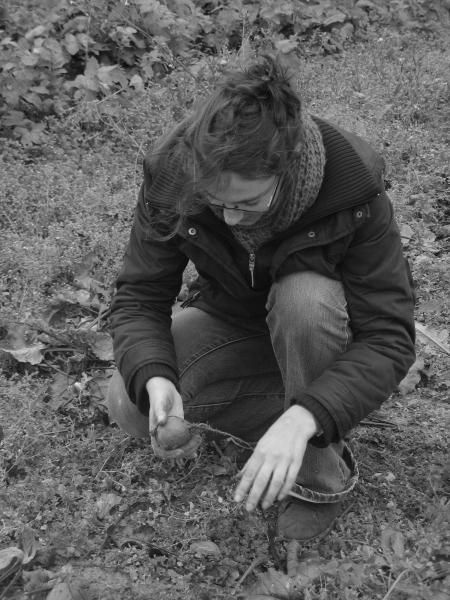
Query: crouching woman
[[301, 320]]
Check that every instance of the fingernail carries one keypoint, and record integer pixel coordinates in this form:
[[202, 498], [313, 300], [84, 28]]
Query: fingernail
[[249, 507], [237, 497]]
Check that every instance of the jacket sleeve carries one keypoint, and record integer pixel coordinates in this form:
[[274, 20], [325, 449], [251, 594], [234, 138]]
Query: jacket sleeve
[[147, 286], [380, 300]]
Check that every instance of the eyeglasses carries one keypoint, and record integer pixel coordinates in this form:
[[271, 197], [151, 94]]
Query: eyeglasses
[[256, 205]]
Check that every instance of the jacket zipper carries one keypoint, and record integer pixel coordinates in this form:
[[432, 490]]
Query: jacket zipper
[[251, 267]]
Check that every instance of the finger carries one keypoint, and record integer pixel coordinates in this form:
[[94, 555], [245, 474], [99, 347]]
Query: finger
[[260, 484], [162, 413], [276, 484], [248, 474], [290, 478]]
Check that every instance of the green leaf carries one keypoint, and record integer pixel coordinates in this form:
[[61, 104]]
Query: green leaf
[[36, 32], [71, 44], [29, 60]]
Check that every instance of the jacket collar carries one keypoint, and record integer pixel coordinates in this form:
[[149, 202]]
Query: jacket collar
[[350, 178]]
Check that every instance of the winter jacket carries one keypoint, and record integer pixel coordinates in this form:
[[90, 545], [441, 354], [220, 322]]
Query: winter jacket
[[349, 234]]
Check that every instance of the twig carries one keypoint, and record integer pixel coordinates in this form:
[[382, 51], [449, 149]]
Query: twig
[[259, 560], [292, 560], [11, 583], [373, 421], [346, 511], [391, 589], [114, 452], [47, 364], [423, 331], [45, 588], [186, 475]]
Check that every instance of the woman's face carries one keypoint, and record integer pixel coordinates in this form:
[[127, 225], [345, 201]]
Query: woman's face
[[243, 201]]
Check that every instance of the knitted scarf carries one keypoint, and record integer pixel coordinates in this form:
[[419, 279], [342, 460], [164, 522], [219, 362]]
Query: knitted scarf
[[296, 194]]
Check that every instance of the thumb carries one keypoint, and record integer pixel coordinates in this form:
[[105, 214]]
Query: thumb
[[161, 409], [161, 416]]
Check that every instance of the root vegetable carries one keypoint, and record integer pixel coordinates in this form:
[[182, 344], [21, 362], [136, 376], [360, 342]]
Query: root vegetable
[[173, 434]]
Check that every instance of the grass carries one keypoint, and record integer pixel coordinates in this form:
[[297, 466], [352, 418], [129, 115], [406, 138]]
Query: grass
[[109, 517]]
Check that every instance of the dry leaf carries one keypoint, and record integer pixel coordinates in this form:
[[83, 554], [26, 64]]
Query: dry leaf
[[205, 548], [29, 354], [105, 503], [99, 385], [15, 343], [29, 544], [11, 559], [70, 296], [310, 567], [35, 580], [406, 233], [275, 584], [393, 544], [60, 390], [101, 345], [65, 591]]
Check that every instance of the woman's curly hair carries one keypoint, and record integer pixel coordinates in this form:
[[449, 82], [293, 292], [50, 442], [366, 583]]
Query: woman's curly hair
[[250, 125]]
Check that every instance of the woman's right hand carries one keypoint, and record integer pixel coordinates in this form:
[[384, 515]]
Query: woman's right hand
[[165, 401]]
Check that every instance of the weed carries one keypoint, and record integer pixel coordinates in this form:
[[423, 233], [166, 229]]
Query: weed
[[104, 510]]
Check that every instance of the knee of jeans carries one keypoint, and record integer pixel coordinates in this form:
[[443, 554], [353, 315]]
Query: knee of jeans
[[116, 390], [307, 297]]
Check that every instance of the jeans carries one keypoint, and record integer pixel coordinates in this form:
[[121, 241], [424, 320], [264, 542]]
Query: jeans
[[237, 378]]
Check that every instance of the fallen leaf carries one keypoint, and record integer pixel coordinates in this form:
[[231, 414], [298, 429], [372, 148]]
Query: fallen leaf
[[60, 391], [337, 17], [82, 270], [99, 385], [205, 548], [393, 544], [406, 233], [16, 344], [65, 591], [11, 559], [70, 296], [29, 544], [310, 567], [275, 584], [29, 354], [105, 503], [34, 580], [101, 345]]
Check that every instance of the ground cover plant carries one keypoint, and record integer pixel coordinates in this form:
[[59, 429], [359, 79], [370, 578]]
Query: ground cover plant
[[89, 513]]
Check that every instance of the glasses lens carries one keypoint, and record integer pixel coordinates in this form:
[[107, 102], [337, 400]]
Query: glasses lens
[[260, 206], [249, 209]]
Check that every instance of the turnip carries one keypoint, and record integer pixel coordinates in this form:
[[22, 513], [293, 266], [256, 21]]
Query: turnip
[[173, 434]]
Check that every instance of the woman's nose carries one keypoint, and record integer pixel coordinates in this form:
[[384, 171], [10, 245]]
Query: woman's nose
[[232, 217]]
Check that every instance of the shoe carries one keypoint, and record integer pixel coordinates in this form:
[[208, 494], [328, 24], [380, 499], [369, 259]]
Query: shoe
[[303, 521]]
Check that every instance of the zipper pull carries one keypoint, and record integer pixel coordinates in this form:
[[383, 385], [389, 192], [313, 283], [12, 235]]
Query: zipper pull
[[251, 267]]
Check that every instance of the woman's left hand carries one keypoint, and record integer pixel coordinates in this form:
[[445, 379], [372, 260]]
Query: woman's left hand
[[274, 465]]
